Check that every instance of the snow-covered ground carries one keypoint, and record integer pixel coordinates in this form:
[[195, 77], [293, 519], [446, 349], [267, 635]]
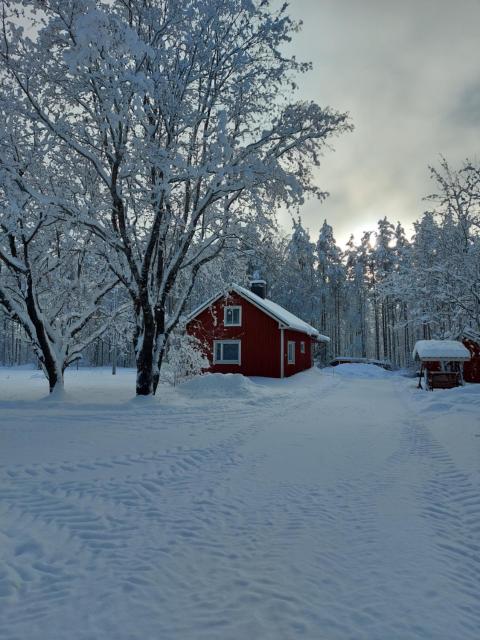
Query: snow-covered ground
[[337, 504]]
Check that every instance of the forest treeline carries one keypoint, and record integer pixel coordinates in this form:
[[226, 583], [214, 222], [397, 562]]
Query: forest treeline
[[373, 298]]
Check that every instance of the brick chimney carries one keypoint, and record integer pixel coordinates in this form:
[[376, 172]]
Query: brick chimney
[[259, 287]]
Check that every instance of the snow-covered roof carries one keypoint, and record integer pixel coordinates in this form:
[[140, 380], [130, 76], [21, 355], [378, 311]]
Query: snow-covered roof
[[274, 310], [354, 359], [470, 334], [441, 350], [282, 315]]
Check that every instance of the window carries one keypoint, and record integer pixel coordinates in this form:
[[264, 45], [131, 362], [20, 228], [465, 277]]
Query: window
[[291, 353], [227, 352], [232, 316], [302, 347]]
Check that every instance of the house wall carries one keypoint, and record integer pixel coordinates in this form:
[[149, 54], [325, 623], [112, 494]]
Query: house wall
[[471, 369], [302, 360], [470, 373], [259, 334], [432, 365]]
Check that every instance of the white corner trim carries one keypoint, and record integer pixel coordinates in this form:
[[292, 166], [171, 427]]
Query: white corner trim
[[282, 353]]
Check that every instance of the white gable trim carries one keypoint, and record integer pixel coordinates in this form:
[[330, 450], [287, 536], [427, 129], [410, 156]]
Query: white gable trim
[[265, 311], [217, 297], [238, 290], [196, 312]]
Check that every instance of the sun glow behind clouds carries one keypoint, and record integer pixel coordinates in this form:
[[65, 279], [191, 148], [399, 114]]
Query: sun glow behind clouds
[[314, 213], [410, 96], [358, 232]]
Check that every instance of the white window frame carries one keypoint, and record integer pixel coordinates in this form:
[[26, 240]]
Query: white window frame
[[302, 347], [229, 324], [291, 356], [222, 361]]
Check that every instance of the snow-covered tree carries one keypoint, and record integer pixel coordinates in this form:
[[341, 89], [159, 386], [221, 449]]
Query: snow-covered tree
[[52, 278], [180, 109], [384, 259], [331, 283], [299, 292], [435, 281], [457, 212], [356, 331], [185, 356], [402, 331]]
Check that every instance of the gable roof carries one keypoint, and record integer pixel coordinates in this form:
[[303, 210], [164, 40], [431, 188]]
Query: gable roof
[[286, 319], [469, 334], [441, 350]]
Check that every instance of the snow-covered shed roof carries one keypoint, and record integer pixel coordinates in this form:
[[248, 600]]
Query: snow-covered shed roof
[[274, 310], [470, 334], [441, 350]]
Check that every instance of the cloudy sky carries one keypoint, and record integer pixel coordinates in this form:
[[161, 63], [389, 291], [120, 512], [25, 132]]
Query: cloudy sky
[[408, 72]]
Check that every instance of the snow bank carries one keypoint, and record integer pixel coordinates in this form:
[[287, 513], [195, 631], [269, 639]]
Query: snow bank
[[220, 385], [451, 401], [453, 418], [359, 370]]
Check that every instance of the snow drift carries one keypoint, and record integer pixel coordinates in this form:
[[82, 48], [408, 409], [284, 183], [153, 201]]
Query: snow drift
[[220, 385]]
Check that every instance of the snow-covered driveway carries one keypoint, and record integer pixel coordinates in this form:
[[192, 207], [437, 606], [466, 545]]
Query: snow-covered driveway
[[325, 506]]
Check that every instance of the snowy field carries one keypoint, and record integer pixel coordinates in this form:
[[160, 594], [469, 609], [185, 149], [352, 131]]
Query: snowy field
[[337, 504]]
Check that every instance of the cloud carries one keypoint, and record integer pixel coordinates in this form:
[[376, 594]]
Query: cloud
[[408, 74], [466, 113]]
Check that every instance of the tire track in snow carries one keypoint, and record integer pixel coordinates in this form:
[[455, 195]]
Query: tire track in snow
[[450, 504], [323, 538], [112, 515], [97, 509], [209, 551]]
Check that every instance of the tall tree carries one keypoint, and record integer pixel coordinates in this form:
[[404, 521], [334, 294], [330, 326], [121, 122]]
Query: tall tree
[[457, 210], [356, 259], [52, 276], [331, 279], [438, 278], [299, 293], [180, 108], [402, 249], [383, 256]]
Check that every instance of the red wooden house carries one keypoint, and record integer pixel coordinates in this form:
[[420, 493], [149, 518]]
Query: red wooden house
[[243, 332]]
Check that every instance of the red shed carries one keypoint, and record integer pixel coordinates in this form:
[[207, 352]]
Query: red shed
[[243, 332], [471, 370]]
